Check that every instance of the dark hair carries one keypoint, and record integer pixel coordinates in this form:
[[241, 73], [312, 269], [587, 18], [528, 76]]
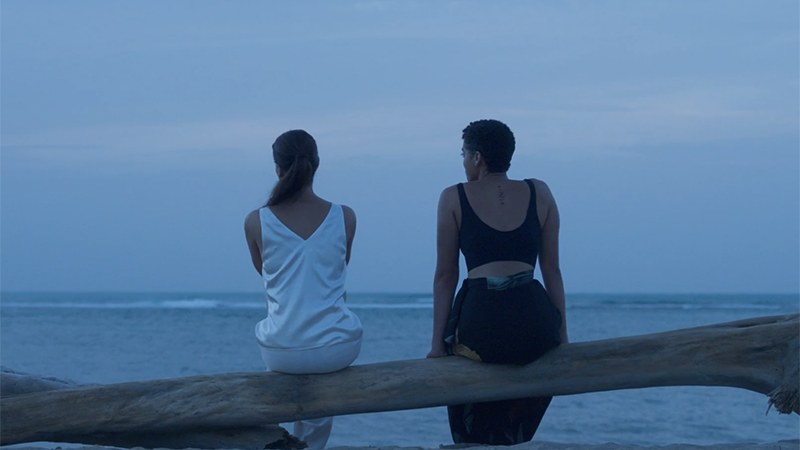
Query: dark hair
[[494, 140], [295, 152]]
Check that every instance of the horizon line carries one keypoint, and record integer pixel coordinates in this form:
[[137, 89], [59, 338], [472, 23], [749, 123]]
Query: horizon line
[[387, 293]]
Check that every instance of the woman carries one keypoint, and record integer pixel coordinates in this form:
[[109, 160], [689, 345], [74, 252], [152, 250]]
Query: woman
[[501, 314], [300, 245]]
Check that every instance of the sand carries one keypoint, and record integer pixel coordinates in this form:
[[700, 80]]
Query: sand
[[780, 445]]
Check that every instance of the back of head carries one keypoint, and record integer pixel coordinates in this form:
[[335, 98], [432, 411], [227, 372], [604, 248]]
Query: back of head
[[295, 152], [494, 140]]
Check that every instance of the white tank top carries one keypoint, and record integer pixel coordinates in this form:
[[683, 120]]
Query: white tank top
[[304, 285]]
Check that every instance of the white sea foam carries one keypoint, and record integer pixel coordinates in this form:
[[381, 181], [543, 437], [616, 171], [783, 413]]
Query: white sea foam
[[198, 303], [390, 305]]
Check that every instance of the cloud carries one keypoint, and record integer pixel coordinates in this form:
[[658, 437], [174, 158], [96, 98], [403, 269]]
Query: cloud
[[565, 123]]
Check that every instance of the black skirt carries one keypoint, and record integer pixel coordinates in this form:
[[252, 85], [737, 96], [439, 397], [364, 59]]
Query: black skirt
[[501, 321]]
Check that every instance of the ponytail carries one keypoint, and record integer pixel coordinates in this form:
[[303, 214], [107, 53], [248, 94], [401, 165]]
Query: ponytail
[[300, 174], [295, 152]]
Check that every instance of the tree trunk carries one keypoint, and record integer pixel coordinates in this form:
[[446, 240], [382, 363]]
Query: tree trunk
[[759, 354]]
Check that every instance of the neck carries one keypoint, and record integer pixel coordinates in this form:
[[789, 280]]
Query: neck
[[306, 193], [493, 175]]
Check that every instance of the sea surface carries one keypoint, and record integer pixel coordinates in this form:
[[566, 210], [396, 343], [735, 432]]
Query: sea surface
[[113, 337]]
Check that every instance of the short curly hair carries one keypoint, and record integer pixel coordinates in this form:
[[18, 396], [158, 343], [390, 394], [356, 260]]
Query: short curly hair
[[494, 140]]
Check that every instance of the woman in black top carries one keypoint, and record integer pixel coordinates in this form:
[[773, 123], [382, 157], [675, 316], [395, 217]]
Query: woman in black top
[[501, 314]]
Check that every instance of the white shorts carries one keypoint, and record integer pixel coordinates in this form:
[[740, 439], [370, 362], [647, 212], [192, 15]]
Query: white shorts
[[329, 358]]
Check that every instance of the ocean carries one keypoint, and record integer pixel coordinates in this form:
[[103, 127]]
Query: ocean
[[116, 337]]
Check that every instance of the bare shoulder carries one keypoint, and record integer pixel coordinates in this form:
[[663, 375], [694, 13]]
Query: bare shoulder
[[349, 226], [253, 220], [252, 231], [349, 214], [451, 190], [449, 196], [542, 190]]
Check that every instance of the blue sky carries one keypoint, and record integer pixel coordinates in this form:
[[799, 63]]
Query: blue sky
[[136, 135]]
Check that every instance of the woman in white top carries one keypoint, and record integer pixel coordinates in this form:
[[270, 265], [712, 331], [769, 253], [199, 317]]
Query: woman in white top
[[300, 245]]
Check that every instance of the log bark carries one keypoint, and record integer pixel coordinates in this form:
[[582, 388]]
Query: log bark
[[245, 438], [18, 383], [14, 383], [759, 354]]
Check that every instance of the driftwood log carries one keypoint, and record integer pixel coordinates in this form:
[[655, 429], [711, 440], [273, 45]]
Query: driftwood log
[[18, 383], [13, 383], [759, 354]]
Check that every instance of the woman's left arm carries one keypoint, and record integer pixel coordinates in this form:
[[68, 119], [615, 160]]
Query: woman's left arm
[[252, 233], [548, 257], [349, 228], [445, 278]]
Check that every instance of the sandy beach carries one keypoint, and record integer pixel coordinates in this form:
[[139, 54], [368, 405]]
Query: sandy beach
[[536, 445], [780, 445]]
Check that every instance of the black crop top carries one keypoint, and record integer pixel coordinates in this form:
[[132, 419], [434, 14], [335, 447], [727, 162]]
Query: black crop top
[[482, 244]]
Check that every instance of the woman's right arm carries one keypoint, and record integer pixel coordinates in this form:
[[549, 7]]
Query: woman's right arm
[[445, 278], [548, 257], [252, 232]]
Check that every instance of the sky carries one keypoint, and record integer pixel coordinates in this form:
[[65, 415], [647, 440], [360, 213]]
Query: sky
[[136, 136]]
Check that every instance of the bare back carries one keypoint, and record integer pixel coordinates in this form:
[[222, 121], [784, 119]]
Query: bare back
[[303, 218]]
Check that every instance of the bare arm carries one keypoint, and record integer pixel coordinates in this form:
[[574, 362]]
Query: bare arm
[[252, 233], [445, 278], [548, 257], [349, 228]]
